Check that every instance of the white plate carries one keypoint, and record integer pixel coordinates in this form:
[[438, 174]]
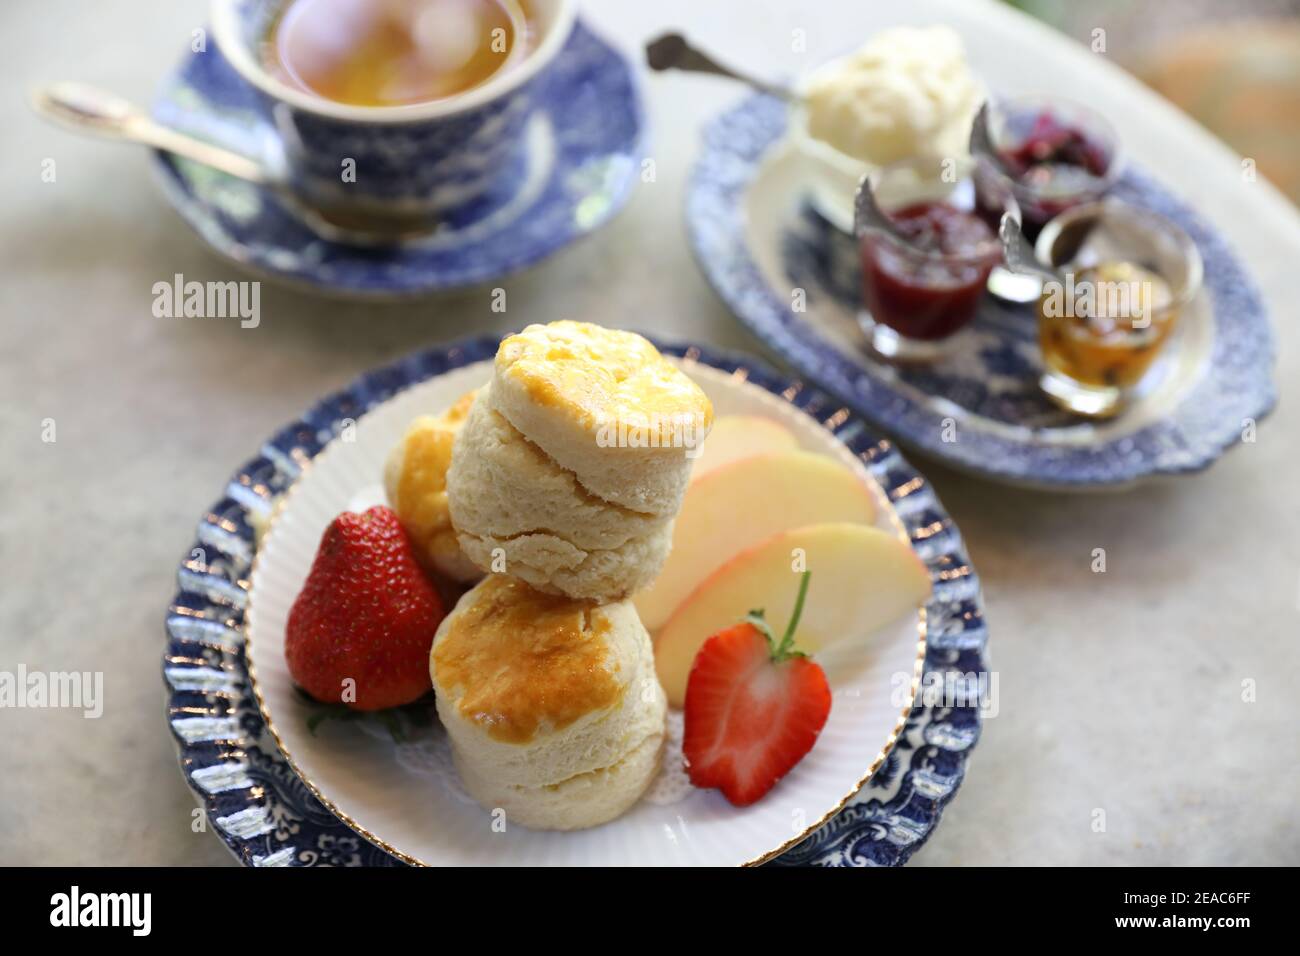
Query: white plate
[[405, 796]]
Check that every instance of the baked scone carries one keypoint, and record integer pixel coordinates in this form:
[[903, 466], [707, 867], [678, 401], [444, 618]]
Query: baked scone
[[552, 705], [605, 405], [511, 501], [415, 482]]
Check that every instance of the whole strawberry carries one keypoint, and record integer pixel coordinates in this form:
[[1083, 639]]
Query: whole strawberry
[[361, 629], [754, 707]]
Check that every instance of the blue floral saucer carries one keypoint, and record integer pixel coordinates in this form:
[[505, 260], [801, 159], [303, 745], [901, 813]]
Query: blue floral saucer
[[793, 279], [268, 816], [584, 150]]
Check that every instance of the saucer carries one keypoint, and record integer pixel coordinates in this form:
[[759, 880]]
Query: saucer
[[792, 279], [353, 793], [584, 147]]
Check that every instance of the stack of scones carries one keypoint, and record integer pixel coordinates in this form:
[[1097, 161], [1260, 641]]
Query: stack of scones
[[564, 480]]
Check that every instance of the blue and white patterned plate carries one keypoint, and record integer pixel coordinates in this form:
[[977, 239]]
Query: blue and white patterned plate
[[793, 280], [584, 149], [268, 815]]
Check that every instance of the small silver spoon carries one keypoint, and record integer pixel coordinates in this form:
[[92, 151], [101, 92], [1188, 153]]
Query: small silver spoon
[[93, 110], [88, 108], [867, 214], [672, 51], [1020, 254], [981, 138], [1021, 279]]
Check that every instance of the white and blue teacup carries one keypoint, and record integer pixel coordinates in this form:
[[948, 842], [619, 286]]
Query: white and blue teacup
[[451, 160]]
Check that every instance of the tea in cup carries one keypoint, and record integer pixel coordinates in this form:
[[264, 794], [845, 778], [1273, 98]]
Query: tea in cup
[[407, 112], [394, 52]]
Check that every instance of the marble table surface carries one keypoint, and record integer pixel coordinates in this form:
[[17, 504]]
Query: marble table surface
[[1119, 691]]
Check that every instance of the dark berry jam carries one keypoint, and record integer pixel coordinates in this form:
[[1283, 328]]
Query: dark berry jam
[[1055, 167], [930, 287]]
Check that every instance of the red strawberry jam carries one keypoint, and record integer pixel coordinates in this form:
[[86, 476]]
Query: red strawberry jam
[[929, 288]]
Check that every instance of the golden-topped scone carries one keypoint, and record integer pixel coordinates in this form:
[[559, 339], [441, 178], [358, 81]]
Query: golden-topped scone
[[415, 481], [552, 704], [607, 406], [510, 501]]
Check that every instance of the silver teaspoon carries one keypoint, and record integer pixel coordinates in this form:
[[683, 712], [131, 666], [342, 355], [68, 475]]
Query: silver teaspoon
[[106, 114], [672, 51], [868, 216], [97, 111], [981, 139], [1020, 254]]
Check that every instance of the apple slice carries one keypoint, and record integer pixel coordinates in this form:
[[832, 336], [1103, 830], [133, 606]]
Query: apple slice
[[740, 436], [744, 502], [862, 579]]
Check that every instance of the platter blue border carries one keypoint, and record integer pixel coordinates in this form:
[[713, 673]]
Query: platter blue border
[[1237, 386], [268, 817]]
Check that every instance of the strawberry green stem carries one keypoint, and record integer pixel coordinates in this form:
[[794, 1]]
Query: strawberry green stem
[[783, 648], [786, 647]]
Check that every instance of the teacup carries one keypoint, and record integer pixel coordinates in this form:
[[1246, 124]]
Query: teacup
[[397, 168]]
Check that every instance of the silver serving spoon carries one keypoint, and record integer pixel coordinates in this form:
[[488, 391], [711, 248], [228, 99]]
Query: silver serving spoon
[[93, 110], [981, 138], [1021, 279], [868, 216], [672, 51], [1020, 254]]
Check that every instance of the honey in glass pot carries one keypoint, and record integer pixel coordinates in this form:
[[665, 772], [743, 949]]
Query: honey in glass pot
[[1100, 331]]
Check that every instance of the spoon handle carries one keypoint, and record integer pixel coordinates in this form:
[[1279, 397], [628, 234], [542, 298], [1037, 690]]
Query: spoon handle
[[981, 138], [868, 216], [97, 111], [1019, 254], [672, 51]]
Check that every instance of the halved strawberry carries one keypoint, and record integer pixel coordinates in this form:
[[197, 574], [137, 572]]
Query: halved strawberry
[[754, 707]]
